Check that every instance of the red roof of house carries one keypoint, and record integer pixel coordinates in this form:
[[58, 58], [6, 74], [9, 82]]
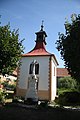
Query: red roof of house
[[62, 72]]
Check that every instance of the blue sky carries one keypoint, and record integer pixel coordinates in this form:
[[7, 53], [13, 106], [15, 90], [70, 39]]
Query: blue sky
[[28, 14]]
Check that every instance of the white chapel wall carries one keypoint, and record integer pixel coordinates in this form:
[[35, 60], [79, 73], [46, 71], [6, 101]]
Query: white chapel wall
[[43, 72], [53, 79]]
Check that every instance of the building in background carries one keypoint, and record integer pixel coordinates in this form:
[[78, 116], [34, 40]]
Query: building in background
[[62, 72]]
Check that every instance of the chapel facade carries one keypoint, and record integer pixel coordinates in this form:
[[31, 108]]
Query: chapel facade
[[44, 71]]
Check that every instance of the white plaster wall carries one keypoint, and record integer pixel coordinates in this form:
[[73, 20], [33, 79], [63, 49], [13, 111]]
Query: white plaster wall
[[43, 71], [53, 80]]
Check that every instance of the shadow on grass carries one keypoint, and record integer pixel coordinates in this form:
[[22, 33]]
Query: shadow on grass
[[15, 112]]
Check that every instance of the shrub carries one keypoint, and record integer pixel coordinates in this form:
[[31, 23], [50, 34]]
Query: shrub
[[67, 83], [3, 95], [63, 90], [8, 86], [69, 98]]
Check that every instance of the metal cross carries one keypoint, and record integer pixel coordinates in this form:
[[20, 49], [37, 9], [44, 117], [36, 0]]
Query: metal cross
[[42, 22]]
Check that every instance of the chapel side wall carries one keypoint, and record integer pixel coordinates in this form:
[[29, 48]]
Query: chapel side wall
[[53, 85], [43, 87]]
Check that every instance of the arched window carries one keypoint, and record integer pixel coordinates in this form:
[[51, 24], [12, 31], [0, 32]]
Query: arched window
[[36, 68], [31, 69]]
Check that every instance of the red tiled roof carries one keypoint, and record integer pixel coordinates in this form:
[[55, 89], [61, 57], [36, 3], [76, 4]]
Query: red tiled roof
[[62, 72], [39, 49]]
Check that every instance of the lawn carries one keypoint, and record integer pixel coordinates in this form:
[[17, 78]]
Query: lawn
[[14, 112]]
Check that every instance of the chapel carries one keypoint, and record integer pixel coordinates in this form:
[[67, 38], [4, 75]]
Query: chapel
[[37, 72]]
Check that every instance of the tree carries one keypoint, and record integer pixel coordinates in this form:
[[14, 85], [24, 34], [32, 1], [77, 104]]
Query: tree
[[67, 83], [69, 46], [11, 49]]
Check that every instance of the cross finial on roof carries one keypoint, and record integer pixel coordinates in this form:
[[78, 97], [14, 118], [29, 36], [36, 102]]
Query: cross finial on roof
[[42, 22], [42, 25]]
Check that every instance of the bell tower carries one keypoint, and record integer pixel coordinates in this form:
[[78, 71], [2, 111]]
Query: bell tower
[[41, 35]]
